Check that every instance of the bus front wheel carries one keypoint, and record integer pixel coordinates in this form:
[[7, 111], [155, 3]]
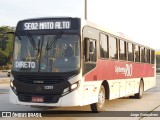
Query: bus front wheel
[[101, 104]]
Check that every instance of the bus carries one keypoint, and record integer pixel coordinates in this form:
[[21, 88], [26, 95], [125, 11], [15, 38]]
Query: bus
[[67, 61]]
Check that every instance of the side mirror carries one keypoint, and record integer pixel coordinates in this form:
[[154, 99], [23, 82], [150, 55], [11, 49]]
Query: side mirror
[[91, 47], [6, 33]]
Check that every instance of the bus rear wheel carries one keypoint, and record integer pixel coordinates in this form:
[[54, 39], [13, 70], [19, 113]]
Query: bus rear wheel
[[141, 89], [101, 104]]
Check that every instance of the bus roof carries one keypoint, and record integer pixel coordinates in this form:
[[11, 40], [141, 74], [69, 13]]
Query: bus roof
[[54, 17], [111, 32]]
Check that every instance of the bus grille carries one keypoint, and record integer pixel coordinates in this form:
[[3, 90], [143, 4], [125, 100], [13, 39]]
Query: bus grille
[[39, 79]]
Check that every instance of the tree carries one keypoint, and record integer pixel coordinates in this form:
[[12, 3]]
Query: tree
[[6, 54]]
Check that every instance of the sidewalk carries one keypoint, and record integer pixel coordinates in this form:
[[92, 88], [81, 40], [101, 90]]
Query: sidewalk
[[156, 111], [3, 77], [4, 80]]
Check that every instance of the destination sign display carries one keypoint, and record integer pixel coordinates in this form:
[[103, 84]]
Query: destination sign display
[[47, 25]]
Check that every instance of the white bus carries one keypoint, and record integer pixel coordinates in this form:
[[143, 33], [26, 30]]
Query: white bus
[[71, 62]]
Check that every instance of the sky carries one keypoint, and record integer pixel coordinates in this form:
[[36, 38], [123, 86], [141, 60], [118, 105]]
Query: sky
[[137, 19]]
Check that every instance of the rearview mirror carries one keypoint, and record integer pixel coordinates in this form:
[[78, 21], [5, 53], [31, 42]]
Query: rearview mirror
[[91, 47]]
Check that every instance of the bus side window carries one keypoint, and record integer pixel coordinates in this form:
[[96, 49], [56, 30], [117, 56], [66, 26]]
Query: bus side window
[[147, 55], [130, 52], [142, 54], [104, 49], [113, 53], [137, 53], [122, 49], [152, 56]]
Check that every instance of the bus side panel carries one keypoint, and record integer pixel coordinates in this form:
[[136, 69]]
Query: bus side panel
[[122, 87], [112, 70], [91, 90], [123, 77], [149, 83]]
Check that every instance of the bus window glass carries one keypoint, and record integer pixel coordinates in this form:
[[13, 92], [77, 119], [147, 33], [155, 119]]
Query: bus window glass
[[137, 52], [63, 55], [143, 54], [27, 51], [152, 56], [148, 55], [47, 54], [113, 48], [122, 49], [130, 52], [104, 53]]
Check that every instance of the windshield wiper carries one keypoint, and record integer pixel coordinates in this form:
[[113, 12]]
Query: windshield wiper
[[54, 41], [32, 42], [19, 37], [38, 52]]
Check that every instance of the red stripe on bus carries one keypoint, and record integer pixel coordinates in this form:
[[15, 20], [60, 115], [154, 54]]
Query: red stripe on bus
[[111, 70]]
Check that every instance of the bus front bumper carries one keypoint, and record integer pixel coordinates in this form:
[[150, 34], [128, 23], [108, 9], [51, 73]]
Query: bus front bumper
[[71, 99]]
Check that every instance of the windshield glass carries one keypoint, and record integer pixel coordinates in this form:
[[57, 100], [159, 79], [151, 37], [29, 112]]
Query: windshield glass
[[47, 53]]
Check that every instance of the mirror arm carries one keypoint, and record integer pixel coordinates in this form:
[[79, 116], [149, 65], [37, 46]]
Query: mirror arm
[[5, 33]]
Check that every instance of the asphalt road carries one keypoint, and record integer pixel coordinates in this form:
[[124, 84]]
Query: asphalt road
[[149, 102]]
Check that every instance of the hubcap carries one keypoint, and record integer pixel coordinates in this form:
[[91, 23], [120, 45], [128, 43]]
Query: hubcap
[[101, 99]]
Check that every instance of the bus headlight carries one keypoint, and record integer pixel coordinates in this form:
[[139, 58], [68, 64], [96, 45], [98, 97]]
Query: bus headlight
[[11, 83], [11, 77], [74, 86], [71, 88], [66, 90]]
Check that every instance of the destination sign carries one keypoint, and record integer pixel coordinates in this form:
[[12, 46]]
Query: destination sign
[[46, 25]]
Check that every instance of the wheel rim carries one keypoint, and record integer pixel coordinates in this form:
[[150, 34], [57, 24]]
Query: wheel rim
[[101, 99]]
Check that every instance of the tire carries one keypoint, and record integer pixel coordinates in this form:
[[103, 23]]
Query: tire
[[141, 89], [101, 104]]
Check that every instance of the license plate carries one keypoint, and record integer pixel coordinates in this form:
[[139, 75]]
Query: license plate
[[37, 99]]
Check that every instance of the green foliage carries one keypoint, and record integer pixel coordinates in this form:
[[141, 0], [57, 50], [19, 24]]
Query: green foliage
[[6, 54]]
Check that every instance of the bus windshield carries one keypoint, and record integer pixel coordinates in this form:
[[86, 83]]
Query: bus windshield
[[47, 53]]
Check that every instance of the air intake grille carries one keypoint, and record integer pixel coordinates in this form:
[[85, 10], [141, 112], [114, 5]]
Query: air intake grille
[[39, 79]]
